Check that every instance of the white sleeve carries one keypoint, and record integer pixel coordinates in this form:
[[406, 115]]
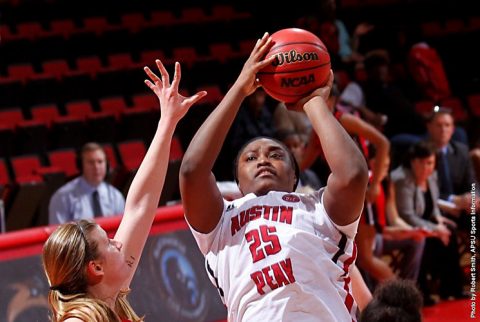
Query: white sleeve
[[350, 230], [205, 241]]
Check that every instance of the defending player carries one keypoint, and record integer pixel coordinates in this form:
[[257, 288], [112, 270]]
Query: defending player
[[275, 255]]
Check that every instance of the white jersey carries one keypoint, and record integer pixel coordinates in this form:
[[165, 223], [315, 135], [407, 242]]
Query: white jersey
[[279, 257]]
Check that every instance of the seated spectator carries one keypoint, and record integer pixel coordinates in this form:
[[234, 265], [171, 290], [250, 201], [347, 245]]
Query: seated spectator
[[394, 301], [382, 231], [88, 195], [454, 168], [416, 193]]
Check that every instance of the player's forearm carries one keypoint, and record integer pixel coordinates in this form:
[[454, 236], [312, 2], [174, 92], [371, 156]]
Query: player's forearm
[[343, 156], [147, 185]]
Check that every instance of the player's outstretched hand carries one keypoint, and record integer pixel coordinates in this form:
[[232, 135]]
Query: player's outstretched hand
[[173, 105]]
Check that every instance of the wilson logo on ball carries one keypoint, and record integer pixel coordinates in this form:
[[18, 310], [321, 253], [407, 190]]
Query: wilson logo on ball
[[297, 81], [292, 56]]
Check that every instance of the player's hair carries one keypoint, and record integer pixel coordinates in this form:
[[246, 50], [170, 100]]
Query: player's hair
[[394, 301], [293, 162], [65, 257]]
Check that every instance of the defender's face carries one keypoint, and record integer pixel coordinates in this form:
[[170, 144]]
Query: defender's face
[[263, 166]]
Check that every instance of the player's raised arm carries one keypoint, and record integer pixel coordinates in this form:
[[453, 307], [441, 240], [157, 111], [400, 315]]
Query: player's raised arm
[[144, 192], [201, 198], [345, 191]]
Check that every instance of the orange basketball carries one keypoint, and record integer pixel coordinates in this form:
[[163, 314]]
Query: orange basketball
[[302, 64]]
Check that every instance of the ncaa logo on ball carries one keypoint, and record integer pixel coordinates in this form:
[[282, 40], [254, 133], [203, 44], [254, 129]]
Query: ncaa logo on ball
[[297, 81]]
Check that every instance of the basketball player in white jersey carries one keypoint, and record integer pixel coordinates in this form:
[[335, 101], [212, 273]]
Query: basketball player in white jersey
[[275, 255]]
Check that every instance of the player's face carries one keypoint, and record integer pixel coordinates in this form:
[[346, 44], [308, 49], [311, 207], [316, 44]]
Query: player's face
[[263, 166], [111, 257]]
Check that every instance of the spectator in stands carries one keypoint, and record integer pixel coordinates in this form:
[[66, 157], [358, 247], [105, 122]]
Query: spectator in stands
[[394, 301], [88, 273], [454, 168], [89, 195], [416, 193], [382, 231], [352, 99], [342, 47], [383, 96]]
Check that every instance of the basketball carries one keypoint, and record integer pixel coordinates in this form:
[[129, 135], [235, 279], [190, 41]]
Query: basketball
[[302, 64]]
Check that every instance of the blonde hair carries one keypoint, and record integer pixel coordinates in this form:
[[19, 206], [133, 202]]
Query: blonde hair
[[65, 257]]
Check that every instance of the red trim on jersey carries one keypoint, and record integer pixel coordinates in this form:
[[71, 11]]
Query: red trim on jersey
[[349, 298]]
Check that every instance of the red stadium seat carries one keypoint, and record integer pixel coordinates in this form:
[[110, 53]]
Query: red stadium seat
[[64, 159], [80, 109], [134, 21], [30, 30], [25, 166], [131, 153], [97, 25], [58, 68], [23, 72], [4, 176], [186, 55], [148, 57], [163, 18], [45, 113], [115, 105], [222, 52], [63, 28], [91, 65], [145, 101], [193, 15], [120, 61], [11, 117]]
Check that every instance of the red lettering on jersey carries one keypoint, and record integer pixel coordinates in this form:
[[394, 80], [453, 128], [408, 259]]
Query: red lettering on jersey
[[257, 277], [281, 214], [275, 210], [282, 275], [235, 225], [287, 268], [243, 218], [266, 212], [269, 278], [286, 214], [279, 276], [255, 212]]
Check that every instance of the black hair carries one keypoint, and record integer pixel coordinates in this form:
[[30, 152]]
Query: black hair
[[420, 150], [394, 301], [293, 162]]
